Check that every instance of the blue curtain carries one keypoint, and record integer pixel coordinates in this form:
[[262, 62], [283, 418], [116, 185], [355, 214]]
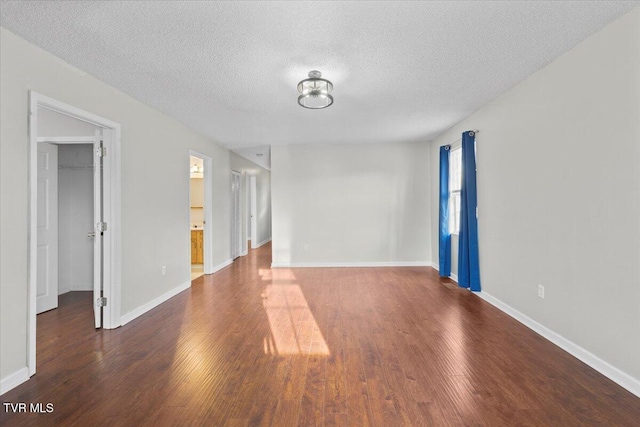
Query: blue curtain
[[468, 256], [445, 236]]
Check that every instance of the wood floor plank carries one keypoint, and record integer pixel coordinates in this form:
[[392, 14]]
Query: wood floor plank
[[312, 401], [311, 347], [357, 397], [336, 420], [335, 388]]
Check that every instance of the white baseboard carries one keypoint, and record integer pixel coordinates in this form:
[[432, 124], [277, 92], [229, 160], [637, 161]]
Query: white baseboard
[[452, 276], [221, 266], [124, 319], [350, 264], [614, 374], [63, 289], [260, 244], [137, 312], [13, 380], [244, 253]]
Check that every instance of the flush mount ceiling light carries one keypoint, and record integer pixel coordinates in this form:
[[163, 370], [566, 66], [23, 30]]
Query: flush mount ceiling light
[[315, 92]]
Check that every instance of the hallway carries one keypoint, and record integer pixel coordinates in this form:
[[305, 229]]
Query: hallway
[[353, 346]]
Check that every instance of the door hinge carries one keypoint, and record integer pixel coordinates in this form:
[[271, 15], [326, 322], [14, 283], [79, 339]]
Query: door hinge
[[101, 302], [101, 226], [101, 151]]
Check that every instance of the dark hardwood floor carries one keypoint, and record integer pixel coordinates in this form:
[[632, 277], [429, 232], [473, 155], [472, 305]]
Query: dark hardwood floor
[[311, 347]]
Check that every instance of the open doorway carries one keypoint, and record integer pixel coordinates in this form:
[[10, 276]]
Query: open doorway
[[67, 198], [200, 214], [236, 218], [196, 215], [74, 186]]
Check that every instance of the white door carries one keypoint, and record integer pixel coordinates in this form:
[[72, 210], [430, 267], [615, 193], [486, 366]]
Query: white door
[[248, 194], [98, 231], [235, 215], [238, 214], [47, 238], [254, 213]]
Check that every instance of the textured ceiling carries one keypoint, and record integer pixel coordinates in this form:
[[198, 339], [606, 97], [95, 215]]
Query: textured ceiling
[[403, 71]]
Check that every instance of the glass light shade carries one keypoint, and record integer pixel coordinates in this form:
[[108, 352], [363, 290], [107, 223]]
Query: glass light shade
[[315, 92]]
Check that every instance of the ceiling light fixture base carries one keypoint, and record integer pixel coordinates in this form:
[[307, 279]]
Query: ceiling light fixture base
[[315, 92]]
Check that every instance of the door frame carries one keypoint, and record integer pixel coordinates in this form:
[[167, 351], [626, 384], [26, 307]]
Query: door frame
[[207, 233], [112, 214]]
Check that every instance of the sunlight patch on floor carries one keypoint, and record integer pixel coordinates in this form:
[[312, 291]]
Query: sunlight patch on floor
[[294, 329], [278, 274]]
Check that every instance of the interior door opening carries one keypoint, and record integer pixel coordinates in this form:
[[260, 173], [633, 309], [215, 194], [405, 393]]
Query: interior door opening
[[236, 218], [69, 205], [200, 214], [196, 215]]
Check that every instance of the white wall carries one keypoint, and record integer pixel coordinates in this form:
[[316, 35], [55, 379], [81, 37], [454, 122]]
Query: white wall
[[559, 194], [51, 123], [75, 217], [155, 187], [351, 204], [263, 198]]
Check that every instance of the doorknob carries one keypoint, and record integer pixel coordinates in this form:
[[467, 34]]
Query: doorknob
[[91, 234]]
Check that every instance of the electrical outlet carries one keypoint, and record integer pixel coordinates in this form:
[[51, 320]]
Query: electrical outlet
[[305, 247], [541, 291], [164, 270]]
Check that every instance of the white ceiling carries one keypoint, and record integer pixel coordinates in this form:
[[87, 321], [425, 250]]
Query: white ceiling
[[403, 71]]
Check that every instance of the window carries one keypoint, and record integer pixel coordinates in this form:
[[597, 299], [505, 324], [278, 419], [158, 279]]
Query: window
[[455, 183]]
